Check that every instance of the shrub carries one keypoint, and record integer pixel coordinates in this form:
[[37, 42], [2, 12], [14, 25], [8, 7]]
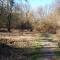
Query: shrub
[[25, 26], [45, 26]]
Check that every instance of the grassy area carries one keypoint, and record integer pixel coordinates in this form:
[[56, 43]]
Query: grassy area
[[33, 52]]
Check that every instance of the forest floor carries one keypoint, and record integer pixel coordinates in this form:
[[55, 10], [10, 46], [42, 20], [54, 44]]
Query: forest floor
[[29, 46]]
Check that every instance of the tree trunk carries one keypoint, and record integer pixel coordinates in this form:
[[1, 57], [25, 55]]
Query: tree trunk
[[9, 23]]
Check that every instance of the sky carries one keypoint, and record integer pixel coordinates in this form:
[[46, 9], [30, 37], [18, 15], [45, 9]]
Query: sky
[[37, 3]]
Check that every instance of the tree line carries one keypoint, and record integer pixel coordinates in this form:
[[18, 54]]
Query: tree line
[[20, 16], [12, 15]]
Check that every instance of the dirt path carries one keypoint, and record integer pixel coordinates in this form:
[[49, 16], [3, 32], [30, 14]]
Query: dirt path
[[48, 51], [48, 54]]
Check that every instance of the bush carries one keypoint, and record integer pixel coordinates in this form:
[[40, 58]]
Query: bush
[[45, 26], [25, 26]]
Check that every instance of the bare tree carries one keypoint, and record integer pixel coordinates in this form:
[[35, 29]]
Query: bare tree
[[10, 4]]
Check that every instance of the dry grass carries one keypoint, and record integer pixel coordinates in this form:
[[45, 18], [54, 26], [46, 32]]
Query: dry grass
[[17, 40], [46, 26], [27, 40], [25, 47]]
